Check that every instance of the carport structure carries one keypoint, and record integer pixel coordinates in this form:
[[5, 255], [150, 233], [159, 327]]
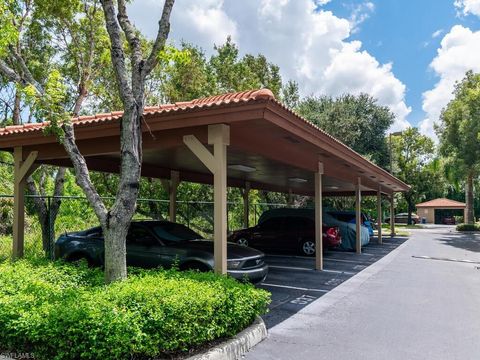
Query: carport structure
[[247, 140]]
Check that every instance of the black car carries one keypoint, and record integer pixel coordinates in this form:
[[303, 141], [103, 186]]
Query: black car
[[286, 234], [152, 244]]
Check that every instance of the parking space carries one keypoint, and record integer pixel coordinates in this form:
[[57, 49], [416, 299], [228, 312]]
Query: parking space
[[294, 283]]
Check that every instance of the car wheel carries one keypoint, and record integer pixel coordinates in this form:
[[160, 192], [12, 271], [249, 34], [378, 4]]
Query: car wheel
[[242, 241], [308, 247]]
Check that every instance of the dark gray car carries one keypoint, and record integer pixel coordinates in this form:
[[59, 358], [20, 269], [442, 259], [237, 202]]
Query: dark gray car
[[152, 244]]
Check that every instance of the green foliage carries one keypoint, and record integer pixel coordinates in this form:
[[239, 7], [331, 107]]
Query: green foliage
[[468, 227], [415, 164], [460, 124], [63, 311], [357, 121], [8, 32]]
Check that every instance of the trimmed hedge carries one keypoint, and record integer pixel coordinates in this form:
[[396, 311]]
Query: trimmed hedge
[[63, 311], [468, 227]]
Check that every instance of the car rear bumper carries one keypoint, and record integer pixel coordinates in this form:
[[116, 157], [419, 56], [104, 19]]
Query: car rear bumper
[[254, 275]]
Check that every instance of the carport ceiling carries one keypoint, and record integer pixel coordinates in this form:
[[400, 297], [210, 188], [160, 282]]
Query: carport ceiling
[[270, 146]]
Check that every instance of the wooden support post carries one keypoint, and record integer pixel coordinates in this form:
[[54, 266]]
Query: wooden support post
[[22, 169], [358, 216], [246, 204], [379, 214], [290, 198], [173, 187], [219, 137], [318, 218], [392, 216]]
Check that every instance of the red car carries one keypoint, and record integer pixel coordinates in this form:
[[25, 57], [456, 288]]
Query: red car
[[286, 234], [448, 220]]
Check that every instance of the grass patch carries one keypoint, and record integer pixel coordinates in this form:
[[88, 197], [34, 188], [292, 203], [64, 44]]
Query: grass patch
[[57, 310], [400, 229]]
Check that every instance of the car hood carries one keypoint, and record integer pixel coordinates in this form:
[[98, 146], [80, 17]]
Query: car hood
[[234, 251]]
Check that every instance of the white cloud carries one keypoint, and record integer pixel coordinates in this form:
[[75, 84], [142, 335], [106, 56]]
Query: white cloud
[[457, 54], [309, 44], [466, 7], [437, 33], [360, 13]]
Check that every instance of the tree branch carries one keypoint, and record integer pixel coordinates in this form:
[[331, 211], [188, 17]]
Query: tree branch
[[82, 174], [118, 55], [162, 35], [130, 33]]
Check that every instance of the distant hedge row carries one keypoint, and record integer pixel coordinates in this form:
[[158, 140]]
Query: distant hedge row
[[468, 227], [63, 311]]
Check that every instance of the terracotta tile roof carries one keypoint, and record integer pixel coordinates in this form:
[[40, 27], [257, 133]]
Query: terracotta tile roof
[[264, 95], [442, 202], [208, 102]]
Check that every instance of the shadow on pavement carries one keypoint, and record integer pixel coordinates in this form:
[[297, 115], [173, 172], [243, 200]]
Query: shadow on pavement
[[294, 283], [470, 242]]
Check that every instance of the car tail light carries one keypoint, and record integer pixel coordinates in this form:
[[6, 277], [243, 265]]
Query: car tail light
[[333, 232]]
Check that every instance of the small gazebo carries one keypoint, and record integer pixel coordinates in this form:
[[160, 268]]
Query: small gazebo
[[434, 210]]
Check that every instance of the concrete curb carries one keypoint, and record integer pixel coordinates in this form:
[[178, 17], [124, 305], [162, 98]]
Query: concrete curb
[[235, 347]]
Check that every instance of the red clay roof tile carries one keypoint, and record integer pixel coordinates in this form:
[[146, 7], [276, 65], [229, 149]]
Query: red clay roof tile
[[442, 202]]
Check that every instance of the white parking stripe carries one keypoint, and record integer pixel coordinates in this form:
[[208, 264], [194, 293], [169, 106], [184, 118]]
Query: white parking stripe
[[295, 288], [310, 269], [446, 259], [341, 260]]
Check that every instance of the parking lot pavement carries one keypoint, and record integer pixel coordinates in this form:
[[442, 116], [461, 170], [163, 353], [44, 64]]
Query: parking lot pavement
[[294, 283]]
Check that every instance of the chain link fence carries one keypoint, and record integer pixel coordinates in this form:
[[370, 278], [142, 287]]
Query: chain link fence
[[75, 213]]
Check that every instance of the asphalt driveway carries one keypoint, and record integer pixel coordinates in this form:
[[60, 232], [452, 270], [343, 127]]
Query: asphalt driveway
[[421, 301], [294, 283]]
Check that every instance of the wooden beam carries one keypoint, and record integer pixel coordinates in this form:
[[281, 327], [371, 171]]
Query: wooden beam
[[200, 151], [392, 216], [219, 137], [173, 187], [22, 169], [379, 214], [318, 218], [246, 204], [358, 216]]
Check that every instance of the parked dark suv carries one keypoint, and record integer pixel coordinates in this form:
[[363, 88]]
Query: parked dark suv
[[286, 233], [152, 244]]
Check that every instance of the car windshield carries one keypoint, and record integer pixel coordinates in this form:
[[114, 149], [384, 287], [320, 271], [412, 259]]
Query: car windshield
[[175, 232]]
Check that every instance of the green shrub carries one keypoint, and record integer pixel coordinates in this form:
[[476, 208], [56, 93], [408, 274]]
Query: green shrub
[[63, 311], [468, 227]]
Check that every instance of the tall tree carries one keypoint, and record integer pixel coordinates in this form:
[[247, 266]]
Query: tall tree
[[357, 121], [414, 163], [131, 75], [459, 134], [41, 32]]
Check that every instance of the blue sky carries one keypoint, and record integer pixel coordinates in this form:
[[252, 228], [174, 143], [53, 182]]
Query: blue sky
[[400, 31], [386, 48]]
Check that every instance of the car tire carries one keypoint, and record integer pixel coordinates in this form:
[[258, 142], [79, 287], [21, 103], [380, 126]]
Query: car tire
[[242, 241], [307, 247]]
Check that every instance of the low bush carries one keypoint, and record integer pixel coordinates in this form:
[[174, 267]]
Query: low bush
[[63, 311], [468, 227]]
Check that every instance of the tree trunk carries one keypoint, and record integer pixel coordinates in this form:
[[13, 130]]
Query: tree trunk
[[16, 108], [118, 219], [47, 212], [469, 199]]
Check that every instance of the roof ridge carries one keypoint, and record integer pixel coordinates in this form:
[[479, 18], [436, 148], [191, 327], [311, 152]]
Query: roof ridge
[[220, 99]]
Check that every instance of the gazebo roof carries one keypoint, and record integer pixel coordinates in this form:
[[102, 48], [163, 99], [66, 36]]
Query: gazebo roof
[[442, 203]]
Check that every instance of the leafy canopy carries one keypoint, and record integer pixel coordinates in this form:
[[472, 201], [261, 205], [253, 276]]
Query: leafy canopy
[[459, 130], [357, 121]]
